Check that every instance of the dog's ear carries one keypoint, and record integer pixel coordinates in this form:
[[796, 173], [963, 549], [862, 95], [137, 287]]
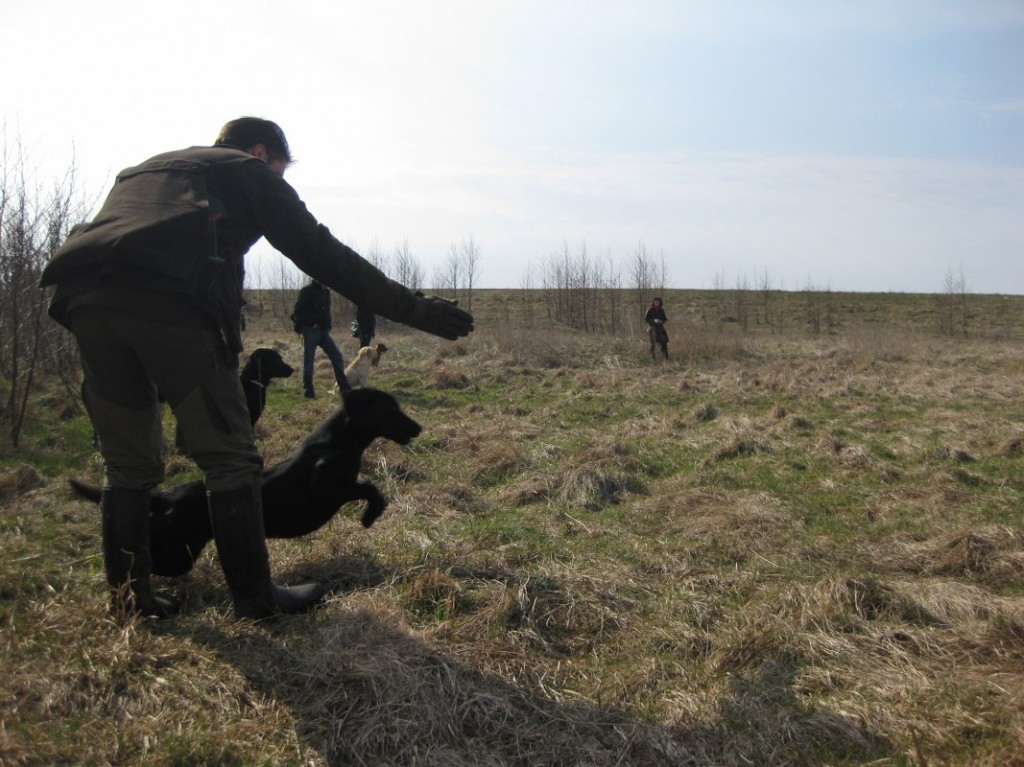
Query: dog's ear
[[351, 402]]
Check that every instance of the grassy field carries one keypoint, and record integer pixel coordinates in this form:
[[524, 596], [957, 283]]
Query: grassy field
[[778, 548]]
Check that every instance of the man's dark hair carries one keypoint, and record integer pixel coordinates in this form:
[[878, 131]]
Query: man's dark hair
[[247, 132]]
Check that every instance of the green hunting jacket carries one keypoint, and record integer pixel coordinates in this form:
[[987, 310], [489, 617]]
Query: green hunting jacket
[[173, 233]]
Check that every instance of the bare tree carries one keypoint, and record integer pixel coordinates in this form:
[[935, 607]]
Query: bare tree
[[451, 271], [953, 309], [527, 285], [764, 286], [289, 281], [642, 274], [571, 283], [611, 285], [742, 300], [470, 268], [661, 273], [718, 286], [582, 287], [375, 255], [820, 308], [407, 269], [812, 306]]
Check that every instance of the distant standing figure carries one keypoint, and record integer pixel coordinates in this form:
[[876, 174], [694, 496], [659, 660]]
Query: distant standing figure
[[656, 319], [366, 324], [312, 319]]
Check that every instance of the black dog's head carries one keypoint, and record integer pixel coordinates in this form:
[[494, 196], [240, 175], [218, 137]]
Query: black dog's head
[[264, 365], [377, 413]]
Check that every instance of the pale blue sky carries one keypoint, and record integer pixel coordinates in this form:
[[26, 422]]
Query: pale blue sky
[[870, 145]]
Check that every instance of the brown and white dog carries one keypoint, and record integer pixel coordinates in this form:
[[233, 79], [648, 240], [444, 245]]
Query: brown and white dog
[[358, 370]]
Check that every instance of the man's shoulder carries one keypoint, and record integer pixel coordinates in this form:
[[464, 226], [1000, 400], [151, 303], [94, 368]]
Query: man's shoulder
[[214, 153], [307, 296], [194, 157]]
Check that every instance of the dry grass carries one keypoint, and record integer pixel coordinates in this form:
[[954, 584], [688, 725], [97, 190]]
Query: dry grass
[[774, 549]]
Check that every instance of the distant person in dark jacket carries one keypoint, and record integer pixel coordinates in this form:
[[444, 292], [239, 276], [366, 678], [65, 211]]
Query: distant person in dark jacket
[[656, 319], [312, 319], [151, 288], [365, 326]]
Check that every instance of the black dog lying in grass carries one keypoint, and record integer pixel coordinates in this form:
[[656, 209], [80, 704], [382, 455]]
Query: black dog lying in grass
[[262, 367], [300, 494]]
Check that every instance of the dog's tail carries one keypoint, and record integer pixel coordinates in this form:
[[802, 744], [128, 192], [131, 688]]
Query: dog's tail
[[157, 501], [88, 492]]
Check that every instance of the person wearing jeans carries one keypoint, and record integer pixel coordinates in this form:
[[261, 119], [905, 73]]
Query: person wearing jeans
[[312, 318]]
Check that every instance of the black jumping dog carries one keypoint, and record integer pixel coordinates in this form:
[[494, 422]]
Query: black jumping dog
[[300, 494]]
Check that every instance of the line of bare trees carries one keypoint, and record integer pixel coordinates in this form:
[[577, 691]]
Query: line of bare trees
[[592, 294], [455, 278], [748, 301], [33, 222]]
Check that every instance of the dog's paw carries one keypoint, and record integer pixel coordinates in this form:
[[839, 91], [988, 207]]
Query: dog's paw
[[373, 512]]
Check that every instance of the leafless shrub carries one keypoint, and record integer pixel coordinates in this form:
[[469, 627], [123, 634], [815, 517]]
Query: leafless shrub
[[33, 224], [952, 310]]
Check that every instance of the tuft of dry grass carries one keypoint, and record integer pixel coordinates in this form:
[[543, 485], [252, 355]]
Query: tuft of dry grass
[[18, 481]]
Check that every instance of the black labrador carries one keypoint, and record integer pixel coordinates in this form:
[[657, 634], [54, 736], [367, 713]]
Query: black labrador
[[300, 494], [262, 367]]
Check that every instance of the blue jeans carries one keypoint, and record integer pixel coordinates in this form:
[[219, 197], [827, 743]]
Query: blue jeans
[[311, 339]]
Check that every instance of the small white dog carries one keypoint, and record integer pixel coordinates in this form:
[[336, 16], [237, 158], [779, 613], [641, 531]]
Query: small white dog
[[358, 370]]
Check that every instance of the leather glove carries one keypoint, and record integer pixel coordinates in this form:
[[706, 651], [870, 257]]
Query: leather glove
[[440, 317]]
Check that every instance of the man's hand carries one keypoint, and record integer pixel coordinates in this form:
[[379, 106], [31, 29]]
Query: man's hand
[[440, 317]]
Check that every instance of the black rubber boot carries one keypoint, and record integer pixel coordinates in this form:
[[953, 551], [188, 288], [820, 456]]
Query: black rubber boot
[[126, 556], [237, 517]]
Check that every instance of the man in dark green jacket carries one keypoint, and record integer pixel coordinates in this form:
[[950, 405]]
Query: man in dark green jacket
[[152, 290]]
